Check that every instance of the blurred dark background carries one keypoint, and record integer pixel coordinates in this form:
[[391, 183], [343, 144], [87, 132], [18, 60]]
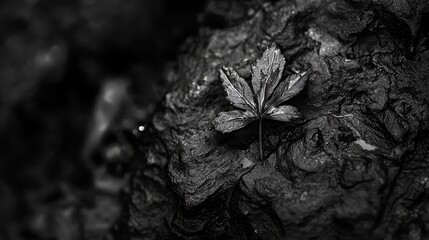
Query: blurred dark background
[[78, 80]]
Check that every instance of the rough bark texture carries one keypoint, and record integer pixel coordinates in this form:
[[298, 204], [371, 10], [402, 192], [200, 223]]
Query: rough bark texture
[[356, 168]]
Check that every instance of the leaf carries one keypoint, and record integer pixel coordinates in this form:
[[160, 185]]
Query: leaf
[[266, 74], [238, 91], [268, 92], [288, 88], [232, 120], [284, 113]]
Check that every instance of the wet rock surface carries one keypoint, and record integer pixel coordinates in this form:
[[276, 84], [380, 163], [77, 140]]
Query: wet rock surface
[[355, 168]]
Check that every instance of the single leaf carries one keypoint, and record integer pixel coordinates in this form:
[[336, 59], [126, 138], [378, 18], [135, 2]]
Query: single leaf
[[267, 94], [266, 74], [288, 88], [237, 90], [284, 113], [232, 120]]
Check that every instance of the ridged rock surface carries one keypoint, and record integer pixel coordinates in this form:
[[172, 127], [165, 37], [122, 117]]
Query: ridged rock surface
[[357, 167]]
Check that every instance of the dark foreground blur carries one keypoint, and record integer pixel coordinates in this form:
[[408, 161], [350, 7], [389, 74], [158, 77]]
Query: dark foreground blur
[[77, 81]]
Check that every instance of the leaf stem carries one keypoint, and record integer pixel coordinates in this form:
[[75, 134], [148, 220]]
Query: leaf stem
[[261, 151]]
